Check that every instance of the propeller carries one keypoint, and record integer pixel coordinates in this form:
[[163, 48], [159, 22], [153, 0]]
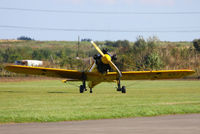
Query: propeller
[[106, 59]]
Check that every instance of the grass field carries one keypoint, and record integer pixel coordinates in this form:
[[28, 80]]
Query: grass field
[[51, 100]]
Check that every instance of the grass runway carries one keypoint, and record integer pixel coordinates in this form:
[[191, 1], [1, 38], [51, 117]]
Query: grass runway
[[51, 100]]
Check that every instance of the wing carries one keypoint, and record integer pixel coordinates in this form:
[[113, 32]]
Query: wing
[[148, 75], [50, 72], [92, 76], [154, 75]]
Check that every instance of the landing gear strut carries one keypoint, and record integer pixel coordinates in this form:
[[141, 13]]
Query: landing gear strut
[[119, 88], [83, 87]]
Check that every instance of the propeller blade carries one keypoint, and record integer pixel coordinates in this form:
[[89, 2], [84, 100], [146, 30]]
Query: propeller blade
[[114, 67], [97, 48]]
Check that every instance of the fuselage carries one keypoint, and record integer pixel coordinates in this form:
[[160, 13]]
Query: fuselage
[[100, 66]]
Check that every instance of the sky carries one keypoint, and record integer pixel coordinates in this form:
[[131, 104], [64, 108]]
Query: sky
[[100, 19]]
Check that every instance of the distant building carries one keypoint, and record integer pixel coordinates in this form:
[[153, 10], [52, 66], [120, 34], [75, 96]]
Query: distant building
[[29, 62]]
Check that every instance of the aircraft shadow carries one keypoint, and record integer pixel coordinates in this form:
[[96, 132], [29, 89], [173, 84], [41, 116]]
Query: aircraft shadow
[[12, 91]]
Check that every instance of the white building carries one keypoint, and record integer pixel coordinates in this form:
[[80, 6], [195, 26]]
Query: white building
[[29, 62]]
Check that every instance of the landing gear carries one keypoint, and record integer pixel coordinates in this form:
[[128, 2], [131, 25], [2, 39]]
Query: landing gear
[[82, 88], [123, 89], [90, 90], [119, 88]]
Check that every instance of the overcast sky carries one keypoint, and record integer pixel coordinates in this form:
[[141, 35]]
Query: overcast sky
[[159, 18]]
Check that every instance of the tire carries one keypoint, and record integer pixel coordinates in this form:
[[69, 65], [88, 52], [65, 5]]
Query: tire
[[81, 89], [123, 89], [119, 89], [91, 90]]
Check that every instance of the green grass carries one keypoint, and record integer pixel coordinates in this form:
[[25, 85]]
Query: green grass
[[49, 100]]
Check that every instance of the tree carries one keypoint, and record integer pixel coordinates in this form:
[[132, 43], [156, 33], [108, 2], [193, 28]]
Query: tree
[[109, 43], [24, 38], [121, 43], [153, 61], [196, 44], [145, 54]]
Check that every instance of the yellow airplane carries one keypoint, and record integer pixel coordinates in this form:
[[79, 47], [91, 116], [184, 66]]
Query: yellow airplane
[[100, 71]]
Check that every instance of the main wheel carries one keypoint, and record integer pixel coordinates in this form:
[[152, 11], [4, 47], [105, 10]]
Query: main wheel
[[119, 89], [81, 88], [123, 89], [90, 90]]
